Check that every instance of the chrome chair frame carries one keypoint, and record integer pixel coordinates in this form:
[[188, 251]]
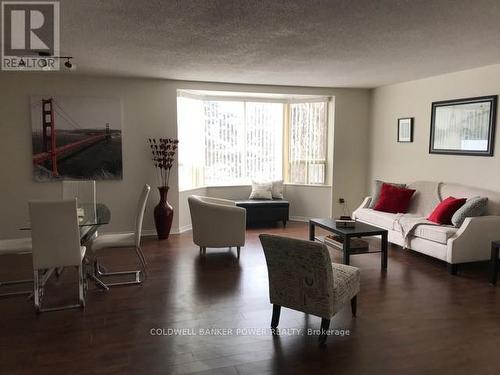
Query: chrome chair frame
[[99, 272], [48, 218], [38, 291]]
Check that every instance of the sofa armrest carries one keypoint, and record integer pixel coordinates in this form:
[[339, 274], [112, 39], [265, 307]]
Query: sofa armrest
[[472, 241], [364, 204]]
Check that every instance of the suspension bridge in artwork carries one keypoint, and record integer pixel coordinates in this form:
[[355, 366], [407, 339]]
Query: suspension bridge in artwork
[[51, 151]]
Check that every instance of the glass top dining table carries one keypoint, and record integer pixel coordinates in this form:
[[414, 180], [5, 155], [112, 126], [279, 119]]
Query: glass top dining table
[[90, 218]]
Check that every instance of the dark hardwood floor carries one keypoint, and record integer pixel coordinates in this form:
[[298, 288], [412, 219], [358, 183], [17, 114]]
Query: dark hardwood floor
[[415, 319]]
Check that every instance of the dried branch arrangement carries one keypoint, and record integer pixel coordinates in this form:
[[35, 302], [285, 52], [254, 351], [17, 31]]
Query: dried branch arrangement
[[163, 152]]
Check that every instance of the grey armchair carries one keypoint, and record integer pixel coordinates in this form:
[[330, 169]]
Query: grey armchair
[[302, 277], [217, 223]]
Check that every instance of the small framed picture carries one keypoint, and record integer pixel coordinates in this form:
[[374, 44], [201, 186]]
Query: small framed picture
[[405, 129]]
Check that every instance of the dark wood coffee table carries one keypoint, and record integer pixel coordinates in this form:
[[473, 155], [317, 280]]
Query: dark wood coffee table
[[359, 230]]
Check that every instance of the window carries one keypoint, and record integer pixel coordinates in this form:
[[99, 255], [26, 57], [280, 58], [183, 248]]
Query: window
[[233, 140], [242, 141], [308, 143]]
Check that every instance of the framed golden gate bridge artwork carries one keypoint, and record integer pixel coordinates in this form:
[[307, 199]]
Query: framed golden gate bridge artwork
[[76, 138]]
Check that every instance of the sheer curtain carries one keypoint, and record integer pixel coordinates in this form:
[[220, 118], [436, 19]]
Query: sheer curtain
[[264, 141], [191, 134]]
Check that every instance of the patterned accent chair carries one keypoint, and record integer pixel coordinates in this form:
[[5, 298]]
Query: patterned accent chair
[[302, 277]]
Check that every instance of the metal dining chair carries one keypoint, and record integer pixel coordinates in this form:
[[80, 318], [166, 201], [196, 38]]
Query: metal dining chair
[[85, 194], [56, 243], [17, 246], [84, 191], [124, 240]]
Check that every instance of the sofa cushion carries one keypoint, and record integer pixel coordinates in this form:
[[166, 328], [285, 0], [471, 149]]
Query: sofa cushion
[[435, 233], [277, 189], [393, 199], [261, 190], [426, 197], [378, 218], [444, 211], [457, 190], [474, 207], [378, 188], [262, 203]]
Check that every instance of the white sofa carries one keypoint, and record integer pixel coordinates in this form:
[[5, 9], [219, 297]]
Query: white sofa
[[469, 243]]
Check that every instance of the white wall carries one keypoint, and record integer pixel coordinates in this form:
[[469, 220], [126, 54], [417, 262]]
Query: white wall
[[149, 110], [309, 201], [408, 162]]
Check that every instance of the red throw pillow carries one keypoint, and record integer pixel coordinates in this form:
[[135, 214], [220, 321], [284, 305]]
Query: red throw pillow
[[393, 199], [444, 211]]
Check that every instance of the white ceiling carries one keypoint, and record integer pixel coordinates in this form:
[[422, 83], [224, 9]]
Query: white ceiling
[[342, 43]]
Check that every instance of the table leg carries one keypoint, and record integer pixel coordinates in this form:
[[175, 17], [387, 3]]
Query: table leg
[[346, 249], [311, 231], [384, 251], [494, 264]]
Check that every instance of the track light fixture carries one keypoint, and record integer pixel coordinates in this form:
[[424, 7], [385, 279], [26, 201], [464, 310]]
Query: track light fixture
[[68, 64]]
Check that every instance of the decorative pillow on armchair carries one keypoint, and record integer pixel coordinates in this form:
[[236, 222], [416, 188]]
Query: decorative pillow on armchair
[[394, 199], [262, 190]]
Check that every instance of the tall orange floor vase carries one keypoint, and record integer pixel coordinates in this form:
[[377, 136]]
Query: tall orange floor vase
[[163, 214]]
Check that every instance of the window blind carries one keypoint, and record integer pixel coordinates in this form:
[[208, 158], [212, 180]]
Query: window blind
[[230, 142], [308, 147]]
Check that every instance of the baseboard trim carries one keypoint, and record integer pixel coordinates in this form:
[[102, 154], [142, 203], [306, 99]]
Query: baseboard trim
[[184, 228], [148, 233], [304, 219], [152, 232]]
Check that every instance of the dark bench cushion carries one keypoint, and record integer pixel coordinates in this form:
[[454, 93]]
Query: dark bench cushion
[[263, 203], [265, 211]]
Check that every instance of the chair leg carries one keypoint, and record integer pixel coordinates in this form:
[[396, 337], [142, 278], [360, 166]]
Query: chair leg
[[36, 290], [238, 248], [452, 268], [59, 271], [97, 274], [325, 325], [276, 316], [354, 305], [140, 255], [81, 289]]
